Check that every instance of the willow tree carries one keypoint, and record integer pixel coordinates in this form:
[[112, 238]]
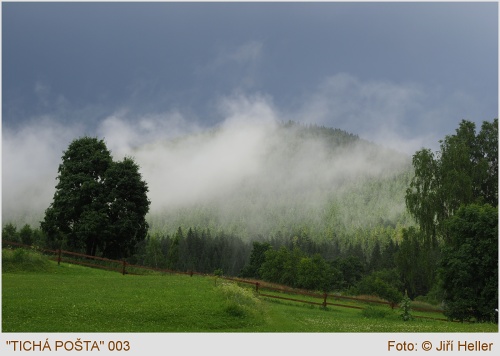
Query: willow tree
[[99, 205]]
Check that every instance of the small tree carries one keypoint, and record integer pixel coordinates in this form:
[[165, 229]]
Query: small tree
[[405, 307]]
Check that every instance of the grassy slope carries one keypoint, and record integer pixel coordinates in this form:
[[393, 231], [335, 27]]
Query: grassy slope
[[77, 299]]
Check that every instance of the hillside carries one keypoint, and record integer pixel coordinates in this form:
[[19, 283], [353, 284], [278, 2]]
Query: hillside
[[269, 179]]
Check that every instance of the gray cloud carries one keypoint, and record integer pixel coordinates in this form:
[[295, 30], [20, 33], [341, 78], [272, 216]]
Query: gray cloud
[[402, 116], [30, 159]]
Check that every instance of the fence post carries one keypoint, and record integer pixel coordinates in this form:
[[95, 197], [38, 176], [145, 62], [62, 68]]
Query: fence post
[[324, 299], [257, 287], [59, 257], [124, 264]]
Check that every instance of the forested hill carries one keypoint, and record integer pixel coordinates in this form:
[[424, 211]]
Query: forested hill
[[267, 180]]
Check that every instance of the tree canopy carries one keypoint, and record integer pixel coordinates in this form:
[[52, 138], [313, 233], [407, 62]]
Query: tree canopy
[[470, 263], [99, 205], [464, 171]]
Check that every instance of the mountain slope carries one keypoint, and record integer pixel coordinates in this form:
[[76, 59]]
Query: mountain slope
[[263, 179]]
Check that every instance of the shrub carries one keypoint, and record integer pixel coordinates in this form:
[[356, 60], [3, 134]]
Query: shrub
[[405, 308], [240, 302]]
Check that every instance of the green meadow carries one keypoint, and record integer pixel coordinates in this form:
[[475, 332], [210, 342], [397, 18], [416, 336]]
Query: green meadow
[[40, 296]]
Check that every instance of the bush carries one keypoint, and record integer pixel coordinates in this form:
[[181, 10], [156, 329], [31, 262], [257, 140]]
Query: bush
[[240, 302]]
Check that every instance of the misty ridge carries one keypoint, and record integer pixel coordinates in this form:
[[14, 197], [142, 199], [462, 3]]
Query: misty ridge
[[252, 174], [273, 177]]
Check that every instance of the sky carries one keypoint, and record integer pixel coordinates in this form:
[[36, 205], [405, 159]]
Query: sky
[[386, 70], [402, 75]]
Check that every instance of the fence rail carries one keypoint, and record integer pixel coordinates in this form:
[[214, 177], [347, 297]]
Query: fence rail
[[126, 268]]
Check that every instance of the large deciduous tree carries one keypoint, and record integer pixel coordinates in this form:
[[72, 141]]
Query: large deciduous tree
[[465, 171], [99, 205], [454, 198]]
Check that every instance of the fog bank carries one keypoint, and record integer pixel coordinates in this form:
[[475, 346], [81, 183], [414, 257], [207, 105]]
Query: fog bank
[[250, 172]]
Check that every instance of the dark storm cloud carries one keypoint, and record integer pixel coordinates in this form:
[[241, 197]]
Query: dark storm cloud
[[148, 56]]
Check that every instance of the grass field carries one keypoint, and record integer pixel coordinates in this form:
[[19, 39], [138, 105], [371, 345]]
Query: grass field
[[70, 298]]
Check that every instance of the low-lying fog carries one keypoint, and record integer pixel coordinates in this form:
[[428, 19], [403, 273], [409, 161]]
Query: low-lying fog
[[250, 171]]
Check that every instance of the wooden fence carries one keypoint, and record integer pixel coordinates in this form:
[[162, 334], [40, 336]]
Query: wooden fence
[[325, 299], [281, 292]]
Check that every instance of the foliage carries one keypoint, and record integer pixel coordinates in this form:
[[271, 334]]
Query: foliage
[[278, 266], [417, 262], [351, 269], [257, 258], [153, 256], [288, 263], [99, 205], [405, 308], [314, 273], [240, 302], [383, 284], [294, 268], [9, 233], [470, 263], [26, 235], [465, 171], [199, 251], [435, 296], [128, 205]]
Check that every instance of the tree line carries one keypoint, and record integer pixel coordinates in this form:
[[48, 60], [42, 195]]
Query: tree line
[[295, 261]]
